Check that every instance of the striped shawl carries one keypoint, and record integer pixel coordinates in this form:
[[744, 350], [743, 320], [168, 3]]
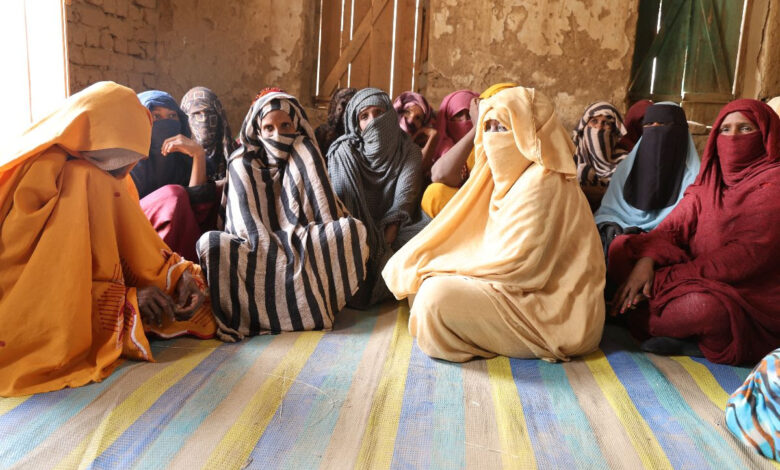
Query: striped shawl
[[290, 255]]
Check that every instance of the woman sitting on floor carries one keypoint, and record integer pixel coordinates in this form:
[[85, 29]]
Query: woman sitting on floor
[[375, 170], [83, 276], [333, 129], [597, 155], [649, 183], [415, 116], [512, 265], [290, 256], [173, 182], [455, 153], [709, 271]]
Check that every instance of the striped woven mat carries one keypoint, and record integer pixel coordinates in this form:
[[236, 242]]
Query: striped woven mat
[[365, 396]]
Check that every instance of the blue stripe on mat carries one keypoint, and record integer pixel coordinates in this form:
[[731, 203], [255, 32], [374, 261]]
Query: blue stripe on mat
[[148, 427], [415, 425], [201, 404], [44, 413], [541, 416], [577, 430], [300, 430], [709, 443], [29, 424], [729, 378], [449, 417], [673, 438]]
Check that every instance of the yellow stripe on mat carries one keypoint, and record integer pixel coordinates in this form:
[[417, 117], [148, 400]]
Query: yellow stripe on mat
[[705, 380], [650, 452], [8, 404], [376, 451], [516, 449], [127, 412], [237, 444]]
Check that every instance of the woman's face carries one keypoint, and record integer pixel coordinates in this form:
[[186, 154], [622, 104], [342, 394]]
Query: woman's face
[[601, 122], [491, 125], [736, 123], [462, 115], [414, 116], [159, 113], [274, 123], [368, 114]]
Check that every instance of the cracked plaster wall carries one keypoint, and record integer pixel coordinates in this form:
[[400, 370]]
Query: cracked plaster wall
[[574, 51]]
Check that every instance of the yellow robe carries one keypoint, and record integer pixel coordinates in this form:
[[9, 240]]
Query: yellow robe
[[513, 265], [75, 245], [437, 195]]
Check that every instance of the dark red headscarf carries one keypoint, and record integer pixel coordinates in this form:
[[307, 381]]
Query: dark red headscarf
[[730, 161], [633, 123]]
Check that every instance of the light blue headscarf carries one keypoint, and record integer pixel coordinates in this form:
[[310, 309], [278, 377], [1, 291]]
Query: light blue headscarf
[[614, 207]]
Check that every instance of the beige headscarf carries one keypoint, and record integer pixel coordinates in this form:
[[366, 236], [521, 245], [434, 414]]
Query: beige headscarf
[[522, 224], [774, 103]]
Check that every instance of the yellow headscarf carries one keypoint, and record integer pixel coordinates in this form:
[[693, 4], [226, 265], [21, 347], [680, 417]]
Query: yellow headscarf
[[489, 92], [774, 103]]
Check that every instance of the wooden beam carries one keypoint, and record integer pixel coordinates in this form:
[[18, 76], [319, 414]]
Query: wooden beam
[[351, 50]]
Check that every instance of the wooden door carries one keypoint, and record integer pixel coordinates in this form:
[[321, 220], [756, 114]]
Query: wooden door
[[377, 43]]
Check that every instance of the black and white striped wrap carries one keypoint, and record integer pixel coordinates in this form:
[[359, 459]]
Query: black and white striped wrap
[[597, 154], [290, 255]]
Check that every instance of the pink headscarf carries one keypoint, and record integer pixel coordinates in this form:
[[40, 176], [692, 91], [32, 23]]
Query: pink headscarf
[[406, 100], [450, 132]]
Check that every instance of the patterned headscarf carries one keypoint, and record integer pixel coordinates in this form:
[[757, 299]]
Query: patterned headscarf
[[406, 100], [271, 151], [209, 125], [597, 154]]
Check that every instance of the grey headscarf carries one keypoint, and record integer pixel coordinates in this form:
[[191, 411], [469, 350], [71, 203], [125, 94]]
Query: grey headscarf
[[377, 174]]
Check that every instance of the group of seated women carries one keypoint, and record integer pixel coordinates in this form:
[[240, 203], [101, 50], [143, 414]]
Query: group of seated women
[[124, 216]]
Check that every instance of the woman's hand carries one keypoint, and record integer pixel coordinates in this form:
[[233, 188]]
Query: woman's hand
[[185, 145], [180, 143], [474, 110], [424, 135], [189, 297], [155, 305], [637, 288]]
